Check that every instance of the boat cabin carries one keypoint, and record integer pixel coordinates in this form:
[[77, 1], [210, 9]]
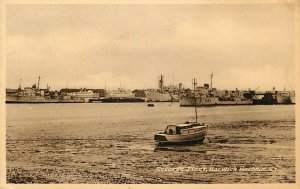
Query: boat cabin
[[171, 130]]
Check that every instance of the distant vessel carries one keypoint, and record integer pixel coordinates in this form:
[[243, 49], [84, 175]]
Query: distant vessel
[[163, 94], [118, 96], [119, 93], [29, 99], [116, 100], [183, 133], [283, 97], [71, 99], [208, 96], [81, 96], [150, 105], [157, 96], [267, 99], [30, 95], [292, 97], [213, 101]]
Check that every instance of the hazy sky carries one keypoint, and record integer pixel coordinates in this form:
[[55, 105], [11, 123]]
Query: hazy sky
[[245, 46]]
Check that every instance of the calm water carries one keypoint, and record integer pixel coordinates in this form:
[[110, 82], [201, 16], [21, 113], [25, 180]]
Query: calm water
[[116, 141], [95, 120]]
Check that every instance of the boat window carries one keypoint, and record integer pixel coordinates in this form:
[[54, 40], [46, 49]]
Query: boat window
[[183, 131], [171, 132]]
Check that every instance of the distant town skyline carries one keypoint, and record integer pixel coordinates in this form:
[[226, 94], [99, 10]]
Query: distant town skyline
[[130, 46]]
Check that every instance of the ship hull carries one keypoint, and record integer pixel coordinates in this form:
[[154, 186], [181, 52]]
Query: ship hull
[[283, 99], [117, 100], [29, 99], [293, 99], [154, 96], [38, 100], [212, 101]]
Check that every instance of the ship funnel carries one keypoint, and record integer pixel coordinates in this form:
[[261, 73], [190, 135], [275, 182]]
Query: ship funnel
[[206, 86]]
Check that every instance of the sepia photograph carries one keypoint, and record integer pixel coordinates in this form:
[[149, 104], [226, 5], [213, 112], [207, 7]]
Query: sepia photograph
[[149, 93]]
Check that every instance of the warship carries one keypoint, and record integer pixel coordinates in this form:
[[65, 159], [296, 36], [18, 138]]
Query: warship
[[208, 96], [117, 96], [274, 97], [283, 97], [292, 97], [31, 95], [163, 94]]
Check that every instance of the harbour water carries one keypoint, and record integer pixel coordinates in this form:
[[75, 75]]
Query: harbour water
[[113, 143]]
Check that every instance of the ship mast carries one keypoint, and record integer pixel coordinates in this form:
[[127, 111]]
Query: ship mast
[[38, 85], [211, 77], [20, 86], [195, 84], [105, 89], [161, 83]]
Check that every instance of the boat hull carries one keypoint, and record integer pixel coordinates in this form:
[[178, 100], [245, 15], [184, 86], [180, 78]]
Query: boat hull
[[179, 139]]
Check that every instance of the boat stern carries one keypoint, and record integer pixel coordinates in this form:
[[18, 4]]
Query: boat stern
[[160, 138]]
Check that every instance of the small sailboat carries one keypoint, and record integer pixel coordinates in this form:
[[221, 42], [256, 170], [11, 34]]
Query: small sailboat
[[185, 132]]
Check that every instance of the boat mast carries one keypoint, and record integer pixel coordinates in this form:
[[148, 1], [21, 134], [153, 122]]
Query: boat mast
[[195, 83]]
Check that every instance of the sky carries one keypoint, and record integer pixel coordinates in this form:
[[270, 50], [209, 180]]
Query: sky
[[130, 46]]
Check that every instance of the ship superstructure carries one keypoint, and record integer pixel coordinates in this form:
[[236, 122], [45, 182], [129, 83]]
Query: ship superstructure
[[163, 93]]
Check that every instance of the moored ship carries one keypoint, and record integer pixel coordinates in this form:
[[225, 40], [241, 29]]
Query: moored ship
[[268, 98], [213, 101], [31, 95], [116, 100], [293, 97], [118, 96], [208, 96], [163, 94], [83, 95], [158, 96], [283, 97], [29, 99]]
